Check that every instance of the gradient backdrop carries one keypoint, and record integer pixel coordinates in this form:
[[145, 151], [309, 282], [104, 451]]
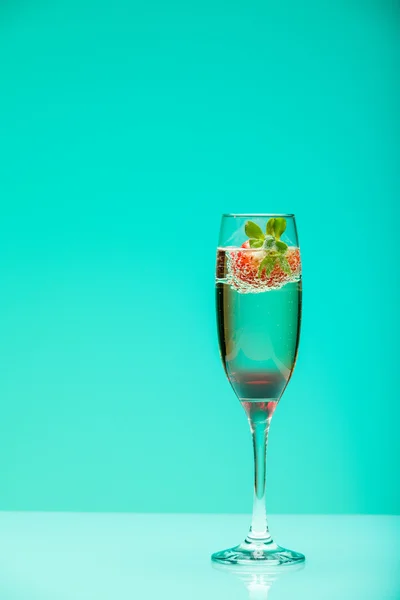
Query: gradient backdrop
[[126, 129]]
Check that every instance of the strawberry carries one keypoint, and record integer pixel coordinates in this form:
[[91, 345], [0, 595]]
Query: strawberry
[[266, 261]]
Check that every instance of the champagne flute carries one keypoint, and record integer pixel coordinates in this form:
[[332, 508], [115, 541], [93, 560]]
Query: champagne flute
[[258, 293]]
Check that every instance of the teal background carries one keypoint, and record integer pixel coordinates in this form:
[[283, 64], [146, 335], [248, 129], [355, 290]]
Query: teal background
[[126, 129]]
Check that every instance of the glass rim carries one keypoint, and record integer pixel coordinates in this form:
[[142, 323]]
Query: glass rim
[[243, 215]]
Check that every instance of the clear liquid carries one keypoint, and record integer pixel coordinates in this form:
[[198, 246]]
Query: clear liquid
[[258, 337]]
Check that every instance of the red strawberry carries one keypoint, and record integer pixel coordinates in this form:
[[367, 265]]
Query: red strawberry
[[245, 267]]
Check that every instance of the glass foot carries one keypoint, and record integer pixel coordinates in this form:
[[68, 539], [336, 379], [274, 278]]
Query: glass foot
[[254, 552]]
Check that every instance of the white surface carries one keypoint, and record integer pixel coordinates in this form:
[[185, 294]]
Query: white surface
[[130, 556]]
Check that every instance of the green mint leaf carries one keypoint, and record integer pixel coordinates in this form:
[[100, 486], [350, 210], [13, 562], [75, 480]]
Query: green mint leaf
[[253, 230], [279, 226], [267, 264], [271, 227], [256, 243], [285, 265], [281, 246], [269, 241]]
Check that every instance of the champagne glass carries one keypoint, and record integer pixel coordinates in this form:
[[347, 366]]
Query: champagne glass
[[258, 293]]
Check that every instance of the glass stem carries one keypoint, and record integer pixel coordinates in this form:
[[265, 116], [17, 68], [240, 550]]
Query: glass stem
[[259, 526]]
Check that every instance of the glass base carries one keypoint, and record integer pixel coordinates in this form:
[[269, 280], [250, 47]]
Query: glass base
[[255, 552]]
